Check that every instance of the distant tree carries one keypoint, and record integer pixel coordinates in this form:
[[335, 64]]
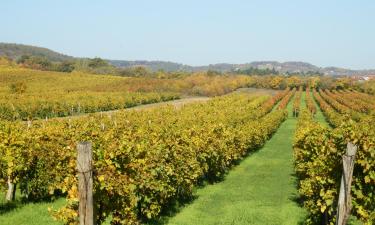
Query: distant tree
[[23, 59], [97, 62], [141, 71], [35, 62], [42, 62], [66, 66], [213, 73], [256, 71]]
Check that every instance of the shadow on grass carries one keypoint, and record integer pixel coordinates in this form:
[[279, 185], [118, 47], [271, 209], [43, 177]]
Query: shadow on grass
[[9, 206], [6, 206], [171, 210], [21, 201], [297, 198]]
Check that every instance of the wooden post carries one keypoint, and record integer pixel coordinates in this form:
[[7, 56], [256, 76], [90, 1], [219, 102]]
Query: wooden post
[[29, 124], [345, 200], [11, 193], [85, 184]]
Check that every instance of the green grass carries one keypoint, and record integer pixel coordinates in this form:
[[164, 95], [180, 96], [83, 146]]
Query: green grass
[[18, 213], [261, 190]]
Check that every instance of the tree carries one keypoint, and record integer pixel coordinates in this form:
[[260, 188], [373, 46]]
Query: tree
[[35, 62], [97, 62], [212, 73], [66, 66]]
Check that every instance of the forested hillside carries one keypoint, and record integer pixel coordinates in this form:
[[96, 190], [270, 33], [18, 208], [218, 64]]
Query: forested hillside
[[16, 51]]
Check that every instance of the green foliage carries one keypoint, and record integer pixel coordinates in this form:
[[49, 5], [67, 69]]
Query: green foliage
[[66, 66], [43, 63], [35, 62], [139, 71], [97, 62]]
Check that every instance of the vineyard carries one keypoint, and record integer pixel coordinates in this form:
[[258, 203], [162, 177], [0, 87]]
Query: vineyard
[[318, 150], [147, 162], [187, 112], [31, 94]]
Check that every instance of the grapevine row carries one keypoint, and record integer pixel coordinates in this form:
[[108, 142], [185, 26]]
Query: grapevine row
[[349, 101], [284, 102], [333, 118], [142, 161], [333, 102], [59, 105], [318, 164], [357, 101], [310, 102]]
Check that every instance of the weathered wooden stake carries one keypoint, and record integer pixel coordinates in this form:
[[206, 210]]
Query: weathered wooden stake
[[345, 200], [85, 184], [11, 193], [29, 124]]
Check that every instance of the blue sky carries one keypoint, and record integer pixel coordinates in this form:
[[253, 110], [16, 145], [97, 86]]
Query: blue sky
[[198, 32]]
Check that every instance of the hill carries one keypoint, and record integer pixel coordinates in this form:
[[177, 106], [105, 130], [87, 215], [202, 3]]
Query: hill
[[282, 67], [15, 51], [152, 65]]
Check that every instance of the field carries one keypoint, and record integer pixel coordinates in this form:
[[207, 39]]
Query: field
[[197, 149]]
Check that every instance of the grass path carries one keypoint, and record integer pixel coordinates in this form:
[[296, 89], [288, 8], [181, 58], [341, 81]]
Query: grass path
[[319, 117], [261, 190]]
